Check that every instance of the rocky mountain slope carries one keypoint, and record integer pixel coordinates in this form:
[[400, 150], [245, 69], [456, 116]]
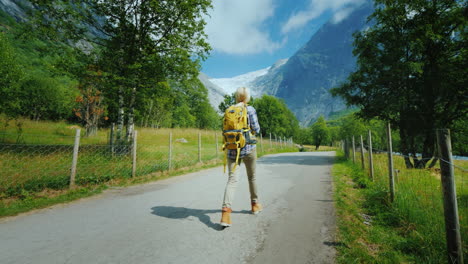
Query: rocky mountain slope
[[215, 93], [324, 62]]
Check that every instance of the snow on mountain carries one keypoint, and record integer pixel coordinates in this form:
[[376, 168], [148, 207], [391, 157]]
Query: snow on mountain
[[230, 85]]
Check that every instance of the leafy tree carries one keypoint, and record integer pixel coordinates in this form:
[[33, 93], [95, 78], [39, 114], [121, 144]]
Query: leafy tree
[[334, 134], [91, 107], [351, 126], [459, 134], [42, 97], [194, 94], [303, 136], [275, 117], [228, 101], [182, 117], [10, 77], [320, 132], [411, 71], [156, 106], [138, 43]]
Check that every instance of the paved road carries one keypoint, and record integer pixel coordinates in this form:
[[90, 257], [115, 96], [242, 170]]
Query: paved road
[[176, 220]]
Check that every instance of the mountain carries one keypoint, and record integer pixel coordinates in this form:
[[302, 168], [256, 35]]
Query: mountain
[[269, 82], [230, 85], [15, 8], [324, 62], [215, 93]]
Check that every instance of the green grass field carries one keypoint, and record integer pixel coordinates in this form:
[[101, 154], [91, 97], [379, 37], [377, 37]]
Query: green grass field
[[411, 229], [40, 158]]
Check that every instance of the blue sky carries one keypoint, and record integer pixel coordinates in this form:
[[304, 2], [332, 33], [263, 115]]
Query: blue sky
[[248, 35]]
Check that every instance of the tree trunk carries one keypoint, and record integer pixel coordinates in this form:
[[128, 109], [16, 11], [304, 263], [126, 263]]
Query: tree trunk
[[433, 163], [428, 148], [149, 113], [404, 148], [120, 116], [131, 115], [91, 130]]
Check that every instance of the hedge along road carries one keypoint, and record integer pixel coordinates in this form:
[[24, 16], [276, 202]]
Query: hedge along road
[[177, 220]]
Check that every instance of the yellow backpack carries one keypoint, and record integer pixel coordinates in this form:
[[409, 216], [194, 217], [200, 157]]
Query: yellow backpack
[[236, 130]]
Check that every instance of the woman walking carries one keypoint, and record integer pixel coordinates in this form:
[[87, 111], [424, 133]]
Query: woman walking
[[248, 155]]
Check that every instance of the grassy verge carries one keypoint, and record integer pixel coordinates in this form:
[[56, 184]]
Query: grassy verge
[[28, 201], [409, 230], [372, 230], [31, 201], [310, 148]]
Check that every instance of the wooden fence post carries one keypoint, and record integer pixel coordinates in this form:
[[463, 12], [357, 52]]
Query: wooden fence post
[[134, 153], [270, 141], [354, 151], [371, 163], [199, 147], [217, 147], [75, 158], [362, 154], [261, 142], [391, 178], [346, 148], [452, 225], [111, 140], [169, 166]]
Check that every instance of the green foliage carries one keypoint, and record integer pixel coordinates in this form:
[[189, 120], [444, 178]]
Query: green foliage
[[320, 132], [459, 136], [6, 20], [303, 136], [42, 90], [197, 99], [228, 101], [411, 70], [46, 98], [56, 53], [140, 45], [275, 117], [183, 117], [192, 108], [351, 126], [10, 78]]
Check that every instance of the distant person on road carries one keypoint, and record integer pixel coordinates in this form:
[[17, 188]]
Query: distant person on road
[[248, 155]]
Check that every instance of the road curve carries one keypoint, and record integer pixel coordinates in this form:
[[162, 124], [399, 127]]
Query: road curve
[[177, 220]]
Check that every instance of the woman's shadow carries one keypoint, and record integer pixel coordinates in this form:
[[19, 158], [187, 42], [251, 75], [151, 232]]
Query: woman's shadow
[[182, 212]]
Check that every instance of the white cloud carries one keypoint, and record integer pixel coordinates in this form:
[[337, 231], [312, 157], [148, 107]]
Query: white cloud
[[238, 27], [340, 8]]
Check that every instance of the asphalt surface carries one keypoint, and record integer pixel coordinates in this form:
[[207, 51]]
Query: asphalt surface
[[177, 220]]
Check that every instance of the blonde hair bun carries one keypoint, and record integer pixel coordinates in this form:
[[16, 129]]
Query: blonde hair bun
[[242, 95]]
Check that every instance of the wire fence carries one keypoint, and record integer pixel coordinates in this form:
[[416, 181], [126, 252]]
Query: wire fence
[[30, 166], [419, 197]]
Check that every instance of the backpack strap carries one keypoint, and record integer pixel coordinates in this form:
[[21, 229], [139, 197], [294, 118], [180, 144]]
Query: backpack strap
[[237, 158]]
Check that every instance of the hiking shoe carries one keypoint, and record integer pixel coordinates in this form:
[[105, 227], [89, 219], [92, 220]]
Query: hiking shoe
[[226, 217], [256, 208]]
